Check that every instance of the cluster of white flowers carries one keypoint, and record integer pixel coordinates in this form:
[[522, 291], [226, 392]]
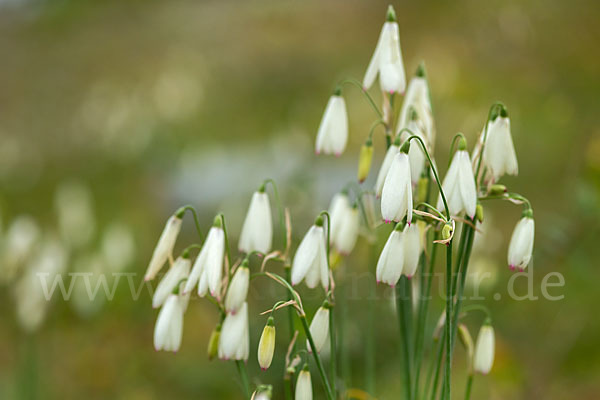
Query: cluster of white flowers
[[403, 186]]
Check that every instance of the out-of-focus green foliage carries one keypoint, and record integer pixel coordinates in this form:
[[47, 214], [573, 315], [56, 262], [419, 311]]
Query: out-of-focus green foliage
[[149, 105]]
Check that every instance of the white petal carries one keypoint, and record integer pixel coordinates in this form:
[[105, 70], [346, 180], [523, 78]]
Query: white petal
[[392, 77], [169, 325], [333, 130], [468, 192], [319, 329], [346, 238], [373, 67], [337, 211], [257, 231], [412, 249], [521, 243], [303, 386], [306, 254], [396, 189], [233, 334], [483, 358], [391, 260], [179, 271], [214, 261], [238, 289], [164, 248], [385, 167]]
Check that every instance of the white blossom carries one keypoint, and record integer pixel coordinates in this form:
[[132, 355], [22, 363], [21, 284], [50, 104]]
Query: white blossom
[[257, 231], [164, 247], [303, 386], [483, 358], [208, 267], [396, 196], [333, 130], [319, 329], [391, 260], [385, 167], [459, 186], [499, 152], [266, 345], [412, 249], [344, 225], [521, 243], [169, 324], [180, 270], [234, 342], [310, 260], [238, 289]]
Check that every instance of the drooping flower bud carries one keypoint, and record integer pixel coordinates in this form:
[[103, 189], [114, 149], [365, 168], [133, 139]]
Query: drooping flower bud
[[310, 260], [178, 272], [479, 213], [459, 185], [234, 343], [364, 160], [213, 342], [319, 328], [164, 247], [208, 267], [447, 231], [497, 189], [169, 324], [266, 345], [499, 152], [304, 385], [238, 288], [391, 260], [396, 196], [520, 248], [387, 59], [333, 130], [484, 349], [257, 231], [412, 249]]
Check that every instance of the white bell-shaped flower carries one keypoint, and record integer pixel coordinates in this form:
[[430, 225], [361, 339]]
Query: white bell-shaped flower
[[391, 261], [396, 196], [333, 130], [459, 184], [499, 152], [304, 385], [387, 59], [238, 288], [483, 359], [310, 260], [416, 156], [385, 166], [165, 245], [345, 223], [417, 99], [257, 231], [208, 267], [319, 329], [234, 342], [169, 324], [266, 345], [412, 249], [521, 242], [180, 270]]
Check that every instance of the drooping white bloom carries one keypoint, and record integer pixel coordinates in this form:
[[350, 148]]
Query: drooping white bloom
[[238, 288], [208, 267], [417, 98], [412, 249], [483, 358], [180, 270], [17, 245], [345, 223], [33, 289], [391, 260], [310, 260], [304, 386], [499, 152], [385, 167], [257, 231], [169, 324], [521, 243], [164, 248], [319, 329], [459, 186], [396, 196], [416, 156], [333, 130], [387, 59], [234, 342], [266, 345]]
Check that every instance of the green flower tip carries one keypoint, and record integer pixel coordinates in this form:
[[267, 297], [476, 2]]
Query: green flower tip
[[262, 188], [462, 144], [179, 213], [270, 321], [369, 142], [245, 263], [337, 91], [397, 141], [421, 70], [527, 213], [405, 147], [218, 223], [391, 14], [326, 304], [305, 368], [186, 253], [487, 322], [319, 221], [503, 112]]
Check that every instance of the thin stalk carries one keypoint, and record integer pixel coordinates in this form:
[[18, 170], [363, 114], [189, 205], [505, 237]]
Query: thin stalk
[[435, 365], [370, 353], [438, 366], [333, 352], [317, 358], [287, 387], [288, 277], [449, 301], [403, 307], [364, 91], [196, 221], [241, 367], [463, 277], [469, 385]]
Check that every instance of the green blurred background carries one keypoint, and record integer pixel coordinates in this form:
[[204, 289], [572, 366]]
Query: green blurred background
[[124, 110]]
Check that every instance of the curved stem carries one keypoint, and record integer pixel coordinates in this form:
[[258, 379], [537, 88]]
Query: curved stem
[[227, 253], [367, 95], [328, 236], [195, 215], [477, 307], [317, 358], [375, 125], [433, 168], [432, 208], [280, 209], [244, 377]]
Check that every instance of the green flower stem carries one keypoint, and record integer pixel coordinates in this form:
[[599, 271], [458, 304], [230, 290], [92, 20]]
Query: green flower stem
[[287, 387], [195, 215], [356, 83], [370, 350], [227, 252], [288, 277], [469, 385], [333, 351], [403, 309], [241, 367], [448, 364], [320, 368], [437, 364]]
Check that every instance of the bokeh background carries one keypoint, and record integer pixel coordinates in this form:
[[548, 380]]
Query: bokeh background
[[114, 113]]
